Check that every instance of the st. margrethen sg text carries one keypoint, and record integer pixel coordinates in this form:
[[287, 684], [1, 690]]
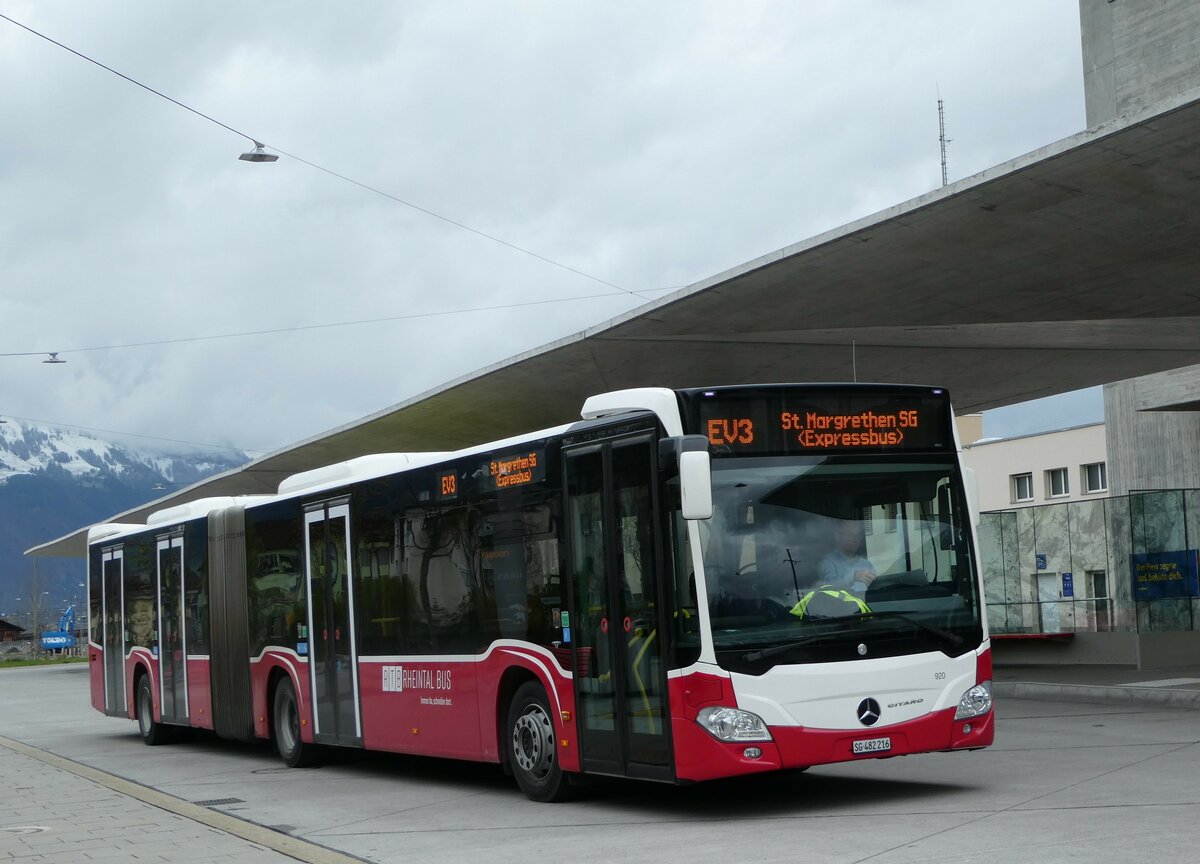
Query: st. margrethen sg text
[[813, 430], [839, 422], [513, 472]]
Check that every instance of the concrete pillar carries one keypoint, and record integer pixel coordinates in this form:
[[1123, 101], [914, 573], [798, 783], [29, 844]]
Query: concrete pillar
[[1136, 52]]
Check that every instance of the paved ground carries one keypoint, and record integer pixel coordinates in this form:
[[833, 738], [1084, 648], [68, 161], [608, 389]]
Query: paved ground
[[1178, 687], [1103, 781], [53, 815]]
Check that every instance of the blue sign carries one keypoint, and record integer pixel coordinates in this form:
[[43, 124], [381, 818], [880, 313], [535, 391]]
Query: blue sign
[[1040, 557], [1160, 575], [1068, 584], [52, 640]]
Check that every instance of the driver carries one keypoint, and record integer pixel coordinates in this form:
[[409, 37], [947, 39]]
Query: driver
[[846, 566]]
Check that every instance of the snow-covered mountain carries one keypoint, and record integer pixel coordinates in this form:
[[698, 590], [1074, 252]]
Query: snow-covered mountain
[[26, 448], [54, 480]]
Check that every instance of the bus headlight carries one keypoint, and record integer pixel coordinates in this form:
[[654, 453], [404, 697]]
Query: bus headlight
[[976, 701], [732, 724]]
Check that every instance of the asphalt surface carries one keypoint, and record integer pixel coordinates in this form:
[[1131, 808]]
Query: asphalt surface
[[1108, 779], [1178, 687]]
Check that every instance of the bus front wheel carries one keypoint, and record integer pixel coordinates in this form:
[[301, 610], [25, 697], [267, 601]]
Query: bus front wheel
[[532, 746], [153, 733], [294, 752]]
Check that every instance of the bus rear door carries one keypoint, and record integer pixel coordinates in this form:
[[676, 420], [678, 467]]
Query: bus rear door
[[172, 650], [333, 661], [113, 631]]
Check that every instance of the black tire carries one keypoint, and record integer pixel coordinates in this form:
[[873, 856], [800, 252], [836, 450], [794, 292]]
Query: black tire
[[533, 746], [285, 716], [153, 733]]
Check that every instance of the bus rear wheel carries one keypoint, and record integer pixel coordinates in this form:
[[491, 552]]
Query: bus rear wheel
[[532, 748], [294, 752], [153, 733]]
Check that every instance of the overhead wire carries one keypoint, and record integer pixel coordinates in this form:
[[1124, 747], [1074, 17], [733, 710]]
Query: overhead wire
[[340, 176], [259, 143], [331, 324]]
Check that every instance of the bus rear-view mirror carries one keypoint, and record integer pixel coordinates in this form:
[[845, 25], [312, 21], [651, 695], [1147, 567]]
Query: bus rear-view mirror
[[695, 484]]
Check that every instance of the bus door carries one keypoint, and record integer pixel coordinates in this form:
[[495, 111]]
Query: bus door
[[333, 657], [172, 646], [112, 572], [617, 625]]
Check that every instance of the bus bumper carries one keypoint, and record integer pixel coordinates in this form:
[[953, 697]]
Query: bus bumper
[[699, 756]]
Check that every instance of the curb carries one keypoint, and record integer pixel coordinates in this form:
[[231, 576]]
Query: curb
[[1160, 696], [285, 844]]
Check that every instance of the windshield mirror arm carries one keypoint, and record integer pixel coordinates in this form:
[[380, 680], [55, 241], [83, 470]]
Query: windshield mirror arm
[[708, 653]]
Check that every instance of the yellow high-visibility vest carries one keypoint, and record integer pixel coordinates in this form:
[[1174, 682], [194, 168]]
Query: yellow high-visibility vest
[[828, 600]]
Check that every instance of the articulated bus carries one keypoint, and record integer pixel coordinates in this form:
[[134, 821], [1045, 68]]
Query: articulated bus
[[684, 585]]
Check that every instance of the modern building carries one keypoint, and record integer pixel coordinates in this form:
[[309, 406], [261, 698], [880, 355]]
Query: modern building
[[1046, 468], [1074, 573], [1089, 536], [1135, 54]]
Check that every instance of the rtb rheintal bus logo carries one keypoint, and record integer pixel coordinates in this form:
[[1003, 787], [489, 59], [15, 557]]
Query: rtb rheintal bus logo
[[397, 679]]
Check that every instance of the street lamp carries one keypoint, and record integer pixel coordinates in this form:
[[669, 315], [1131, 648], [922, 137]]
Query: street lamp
[[258, 154]]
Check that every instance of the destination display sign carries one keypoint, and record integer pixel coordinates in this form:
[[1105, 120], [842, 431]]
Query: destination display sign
[[518, 469], [495, 473], [787, 421]]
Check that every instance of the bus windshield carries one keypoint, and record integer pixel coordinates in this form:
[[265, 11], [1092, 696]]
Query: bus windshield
[[815, 559]]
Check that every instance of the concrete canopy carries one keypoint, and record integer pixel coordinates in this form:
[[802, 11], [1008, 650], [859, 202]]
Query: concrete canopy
[[1068, 267]]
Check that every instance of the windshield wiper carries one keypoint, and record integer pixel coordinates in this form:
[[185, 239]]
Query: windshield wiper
[[764, 653], [952, 638], [753, 656]]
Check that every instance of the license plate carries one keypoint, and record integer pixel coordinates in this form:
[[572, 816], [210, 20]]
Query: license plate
[[872, 745]]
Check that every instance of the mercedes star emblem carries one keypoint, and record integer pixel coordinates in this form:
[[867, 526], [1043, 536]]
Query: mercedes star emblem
[[868, 712]]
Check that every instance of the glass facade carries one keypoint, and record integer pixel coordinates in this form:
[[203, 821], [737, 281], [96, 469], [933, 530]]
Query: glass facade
[[1123, 563]]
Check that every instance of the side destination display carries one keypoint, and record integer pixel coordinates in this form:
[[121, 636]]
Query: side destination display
[[503, 471], [788, 421]]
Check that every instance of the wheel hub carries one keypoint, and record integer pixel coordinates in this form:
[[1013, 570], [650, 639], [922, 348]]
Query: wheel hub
[[533, 742]]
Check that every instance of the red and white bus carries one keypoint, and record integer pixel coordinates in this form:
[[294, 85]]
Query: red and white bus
[[684, 585]]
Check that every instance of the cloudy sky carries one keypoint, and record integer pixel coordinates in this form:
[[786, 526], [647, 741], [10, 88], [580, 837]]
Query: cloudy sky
[[645, 145]]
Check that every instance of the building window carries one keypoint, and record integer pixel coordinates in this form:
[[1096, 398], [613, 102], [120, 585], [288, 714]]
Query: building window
[[1095, 477], [889, 518], [1022, 485], [1056, 483]]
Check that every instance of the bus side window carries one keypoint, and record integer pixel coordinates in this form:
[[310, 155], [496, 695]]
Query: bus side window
[[519, 573], [442, 570]]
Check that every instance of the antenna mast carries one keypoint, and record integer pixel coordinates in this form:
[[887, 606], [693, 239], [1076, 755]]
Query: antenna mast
[[942, 138]]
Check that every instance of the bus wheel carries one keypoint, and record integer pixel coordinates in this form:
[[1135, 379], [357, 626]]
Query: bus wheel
[[153, 733], [532, 748], [292, 750]]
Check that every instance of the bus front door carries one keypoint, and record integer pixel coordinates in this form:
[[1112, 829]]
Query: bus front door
[[333, 657], [617, 625], [172, 650]]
